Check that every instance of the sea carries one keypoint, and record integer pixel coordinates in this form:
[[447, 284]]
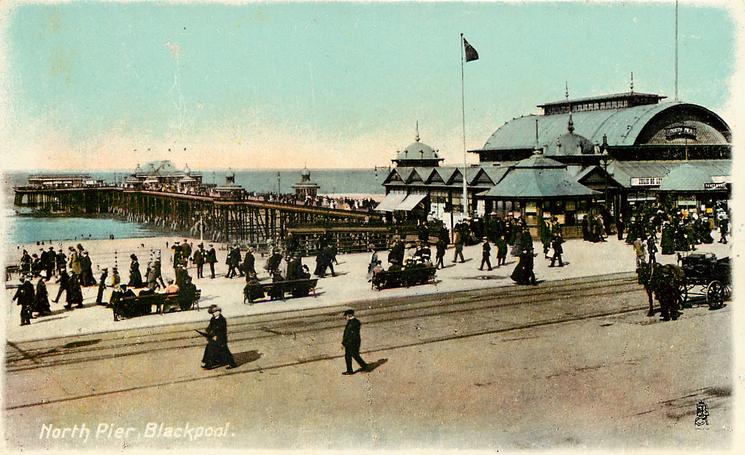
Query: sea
[[20, 228]]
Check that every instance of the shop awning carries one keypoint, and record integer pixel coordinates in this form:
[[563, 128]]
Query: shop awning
[[411, 201], [391, 201]]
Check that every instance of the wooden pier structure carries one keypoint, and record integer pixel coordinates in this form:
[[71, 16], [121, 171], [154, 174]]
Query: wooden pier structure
[[222, 218]]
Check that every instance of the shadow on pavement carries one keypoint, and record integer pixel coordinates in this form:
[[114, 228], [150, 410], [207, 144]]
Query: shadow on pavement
[[78, 344], [372, 366], [242, 358]]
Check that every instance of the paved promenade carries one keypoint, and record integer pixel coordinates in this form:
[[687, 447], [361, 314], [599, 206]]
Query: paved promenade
[[582, 259]]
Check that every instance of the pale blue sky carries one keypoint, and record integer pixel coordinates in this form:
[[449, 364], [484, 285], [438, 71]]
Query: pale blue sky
[[330, 85]]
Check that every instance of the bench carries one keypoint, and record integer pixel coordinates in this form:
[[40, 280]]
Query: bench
[[10, 270], [277, 290], [407, 276], [143, 304]]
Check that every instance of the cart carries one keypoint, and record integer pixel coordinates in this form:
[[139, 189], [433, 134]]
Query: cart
[[705, 277]]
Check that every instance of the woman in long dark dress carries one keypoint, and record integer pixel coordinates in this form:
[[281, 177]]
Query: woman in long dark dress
[[216, 353], [41, 305], [74, 292], [135, 277]]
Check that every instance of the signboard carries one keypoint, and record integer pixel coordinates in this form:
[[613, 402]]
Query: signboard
[[715, 186], [680, 132], [646, 181]]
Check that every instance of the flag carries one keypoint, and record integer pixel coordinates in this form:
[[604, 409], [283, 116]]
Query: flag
[[471, 53]]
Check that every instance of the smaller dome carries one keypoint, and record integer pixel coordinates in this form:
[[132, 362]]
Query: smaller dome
[[305, 172], [570, 143], [417, 151]]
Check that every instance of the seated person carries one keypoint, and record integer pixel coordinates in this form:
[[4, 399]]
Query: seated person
[[172, 288], [253, 290], [126, 293], [277, 292]]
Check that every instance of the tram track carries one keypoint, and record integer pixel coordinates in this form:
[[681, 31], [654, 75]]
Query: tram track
[[325, 357], [20, 358]]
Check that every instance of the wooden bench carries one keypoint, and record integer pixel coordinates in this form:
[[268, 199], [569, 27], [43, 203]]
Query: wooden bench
[[277, 290], [10, 270], [142, 305]]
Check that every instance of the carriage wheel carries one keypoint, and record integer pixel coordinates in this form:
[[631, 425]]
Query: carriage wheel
[[715, 294], [683, 296]]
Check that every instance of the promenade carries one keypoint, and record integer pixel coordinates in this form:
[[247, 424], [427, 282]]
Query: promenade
[[582, 259]]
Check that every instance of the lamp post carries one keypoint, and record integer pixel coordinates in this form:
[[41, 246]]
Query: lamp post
[[604, 157]]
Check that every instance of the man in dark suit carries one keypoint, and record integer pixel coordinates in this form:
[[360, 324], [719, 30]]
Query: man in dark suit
[[351, 342], [211, 259], [199, 258]]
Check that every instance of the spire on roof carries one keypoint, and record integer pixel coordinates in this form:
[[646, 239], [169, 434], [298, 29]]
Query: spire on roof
[[632, 82], [417, 131], [570, 124], [566, 90]]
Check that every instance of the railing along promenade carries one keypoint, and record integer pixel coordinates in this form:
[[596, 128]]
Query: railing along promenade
[[220, 217]]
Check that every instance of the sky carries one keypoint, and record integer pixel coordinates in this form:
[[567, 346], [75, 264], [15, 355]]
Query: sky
[[329, 85]]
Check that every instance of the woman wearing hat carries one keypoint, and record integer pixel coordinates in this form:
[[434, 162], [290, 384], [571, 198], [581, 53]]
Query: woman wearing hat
[[135, 277], [216, 353]]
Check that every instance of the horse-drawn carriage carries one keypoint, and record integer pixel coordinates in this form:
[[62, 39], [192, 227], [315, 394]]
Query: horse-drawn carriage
[[411, 274], [707, 277]]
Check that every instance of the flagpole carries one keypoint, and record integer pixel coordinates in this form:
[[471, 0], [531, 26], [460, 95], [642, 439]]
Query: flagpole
[[463, 112]]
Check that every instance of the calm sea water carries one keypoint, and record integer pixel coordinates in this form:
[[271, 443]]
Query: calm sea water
[[21, 229], [24, 229]]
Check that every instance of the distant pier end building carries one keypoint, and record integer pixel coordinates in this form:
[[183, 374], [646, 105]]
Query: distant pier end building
[[305, 188], [626, 147]]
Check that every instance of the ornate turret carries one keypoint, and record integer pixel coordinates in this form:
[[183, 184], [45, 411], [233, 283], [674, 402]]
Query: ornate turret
[[417, 154], [305, 188]]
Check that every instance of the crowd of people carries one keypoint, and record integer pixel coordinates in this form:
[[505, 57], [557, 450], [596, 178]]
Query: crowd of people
[[498, 237], [72, 271]]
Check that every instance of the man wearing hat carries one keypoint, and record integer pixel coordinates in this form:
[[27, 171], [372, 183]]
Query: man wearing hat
[[199, 258], [351, 342], [216, 353], [25, 296], [485, 252], [211, 259]]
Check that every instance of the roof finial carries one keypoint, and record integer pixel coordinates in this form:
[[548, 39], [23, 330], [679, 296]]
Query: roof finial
[[632, 82], [570, 125], [417, 131], [566, 90]]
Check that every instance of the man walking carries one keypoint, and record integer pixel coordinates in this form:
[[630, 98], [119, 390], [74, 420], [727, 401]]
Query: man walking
[[458, 241], [64, 284], [556, 242], [351, 342], [25, 296], [440, 254], [485, 252]]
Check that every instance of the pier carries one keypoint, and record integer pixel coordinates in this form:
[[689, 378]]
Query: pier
[[178, 202]]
